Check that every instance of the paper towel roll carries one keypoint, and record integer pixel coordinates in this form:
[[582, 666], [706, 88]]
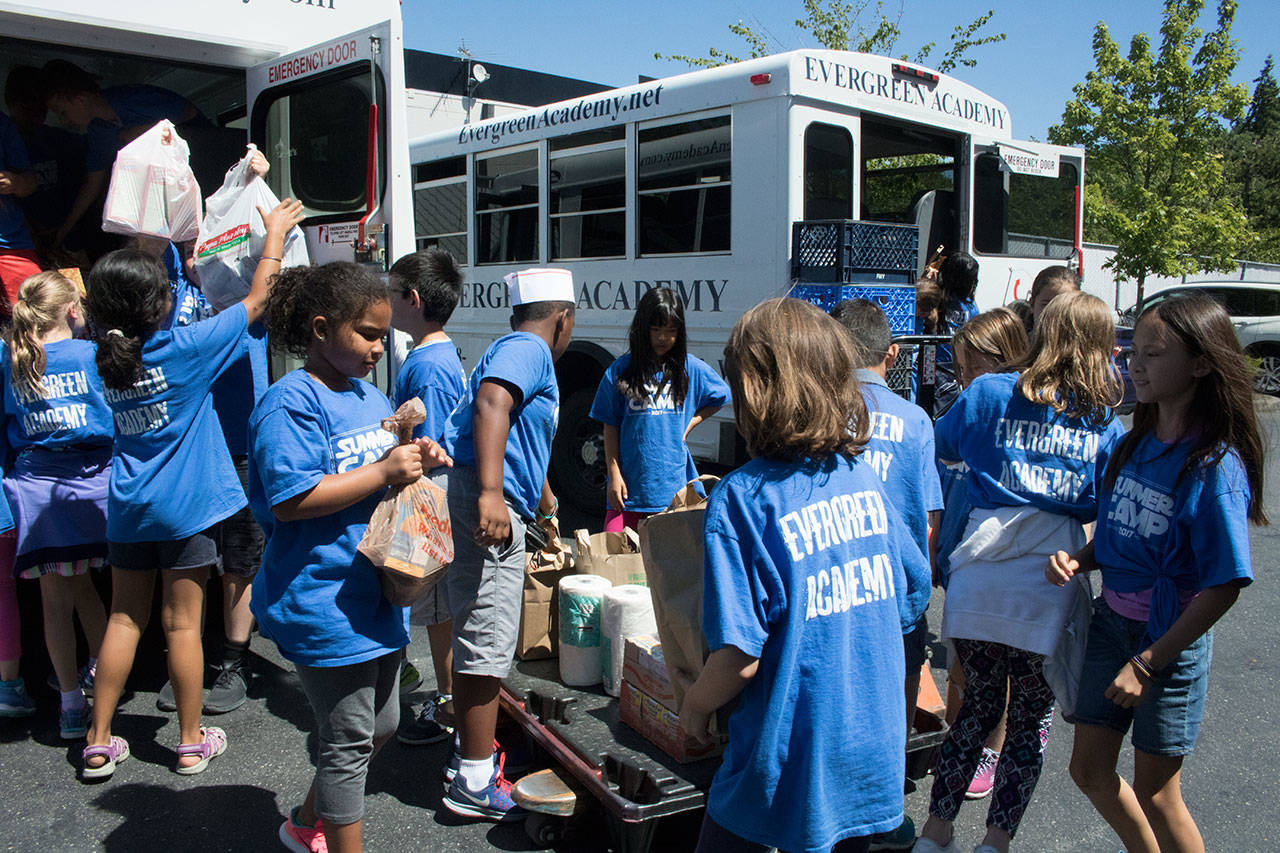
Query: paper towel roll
[[626, 611], [580, 599]]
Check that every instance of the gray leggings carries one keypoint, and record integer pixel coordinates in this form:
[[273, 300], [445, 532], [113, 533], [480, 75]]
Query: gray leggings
[[356, 706]]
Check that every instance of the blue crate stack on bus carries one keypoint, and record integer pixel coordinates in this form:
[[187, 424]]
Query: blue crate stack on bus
[[837, 259]]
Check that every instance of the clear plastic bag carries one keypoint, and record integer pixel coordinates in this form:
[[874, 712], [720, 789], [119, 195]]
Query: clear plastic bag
[[233, 236], [153, 191]]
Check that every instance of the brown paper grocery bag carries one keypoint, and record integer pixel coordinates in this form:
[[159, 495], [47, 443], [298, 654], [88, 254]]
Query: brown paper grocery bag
[[615, 556], [671, 544], [539, 614]]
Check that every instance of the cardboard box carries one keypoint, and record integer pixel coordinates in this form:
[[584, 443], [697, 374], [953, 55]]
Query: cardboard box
[[661, 726], [644, 667]]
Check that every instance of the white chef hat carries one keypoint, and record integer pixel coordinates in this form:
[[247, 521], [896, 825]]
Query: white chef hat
[[540, 285]]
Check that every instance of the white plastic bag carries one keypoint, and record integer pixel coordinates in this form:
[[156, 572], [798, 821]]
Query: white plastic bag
[[153, 190], [233, 236]]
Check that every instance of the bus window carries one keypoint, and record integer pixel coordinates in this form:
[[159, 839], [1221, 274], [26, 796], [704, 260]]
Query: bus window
[[440, 206], [683, 191], [588, 195], [909, 176], [828, 172], [507, 207], [1024, 215], [317, 138]]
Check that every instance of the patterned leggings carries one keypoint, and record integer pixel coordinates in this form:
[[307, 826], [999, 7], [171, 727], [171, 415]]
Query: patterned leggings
[[988, 667]]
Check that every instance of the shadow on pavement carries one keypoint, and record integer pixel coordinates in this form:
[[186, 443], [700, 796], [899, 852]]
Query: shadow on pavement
[[158, 818]]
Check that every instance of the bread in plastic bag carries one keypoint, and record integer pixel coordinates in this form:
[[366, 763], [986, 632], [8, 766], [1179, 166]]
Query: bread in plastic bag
[[409, 537], [233, 236], [153, 191]]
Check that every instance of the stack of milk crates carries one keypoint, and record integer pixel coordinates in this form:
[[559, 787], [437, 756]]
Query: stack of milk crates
[[837, 259]]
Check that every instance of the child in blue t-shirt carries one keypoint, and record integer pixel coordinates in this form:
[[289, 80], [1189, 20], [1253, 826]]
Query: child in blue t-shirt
[[989, 343], [500, 441], [425, 288], [172, 480], [900, 451], [1172, 543], [811, 576], [56, 419], [649, 400], [1032, 441], [320, 461]]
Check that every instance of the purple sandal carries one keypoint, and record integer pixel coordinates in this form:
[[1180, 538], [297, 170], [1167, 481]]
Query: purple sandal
[[213, 745], [113, 753]]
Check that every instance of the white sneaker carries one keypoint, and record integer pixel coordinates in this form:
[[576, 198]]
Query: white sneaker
[[924, 845]]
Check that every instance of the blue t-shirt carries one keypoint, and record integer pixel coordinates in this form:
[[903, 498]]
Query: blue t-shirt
[[316, 596], [653, 456], [900, 450], [171, 474], [67, 409], [13, 158], [812, 572], [523, 360], [1021, 453], [954, 477], [1157, 533], [946, 384], [243, 383], [57, 158], [135, 105], [432, 373]]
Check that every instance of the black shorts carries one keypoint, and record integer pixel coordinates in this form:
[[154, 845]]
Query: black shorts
[[193, 552], [915, 644], [242, 536]]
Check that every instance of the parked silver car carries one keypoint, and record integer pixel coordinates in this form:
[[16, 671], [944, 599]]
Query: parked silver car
[[1254, 308]]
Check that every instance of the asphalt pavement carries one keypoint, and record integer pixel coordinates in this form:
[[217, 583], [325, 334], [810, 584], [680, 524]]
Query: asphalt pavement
[[1231, 783]]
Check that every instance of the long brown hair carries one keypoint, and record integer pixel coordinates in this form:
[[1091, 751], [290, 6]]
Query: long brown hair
[[1221, 417], [795, 394], [1069, 366], [43, 300], [998, 334]]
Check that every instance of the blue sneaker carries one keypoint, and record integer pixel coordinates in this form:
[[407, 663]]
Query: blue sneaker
[[493, 803], [901, 838], [73, 723], [14, 700]]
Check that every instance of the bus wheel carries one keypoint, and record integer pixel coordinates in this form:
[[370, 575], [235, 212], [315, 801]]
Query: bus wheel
[[577, 455]]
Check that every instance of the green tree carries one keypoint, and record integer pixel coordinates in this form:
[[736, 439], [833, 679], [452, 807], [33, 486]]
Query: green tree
[[1153, 124], [841, 25], [1252, 154]]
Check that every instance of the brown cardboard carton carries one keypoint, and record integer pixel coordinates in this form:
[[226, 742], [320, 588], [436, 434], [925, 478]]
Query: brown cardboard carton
[[644, 666], [661, 726]]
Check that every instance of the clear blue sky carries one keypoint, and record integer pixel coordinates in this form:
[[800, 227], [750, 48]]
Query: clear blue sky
[[1048, 49]]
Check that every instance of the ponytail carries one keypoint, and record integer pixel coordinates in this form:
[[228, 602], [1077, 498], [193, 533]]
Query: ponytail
[[128, 299], [42, 303]]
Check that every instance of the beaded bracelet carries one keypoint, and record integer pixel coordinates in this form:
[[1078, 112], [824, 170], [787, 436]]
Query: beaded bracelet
[[1143, 668], [551, 514]]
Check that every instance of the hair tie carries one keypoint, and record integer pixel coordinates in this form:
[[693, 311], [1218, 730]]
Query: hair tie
[[115, 332]]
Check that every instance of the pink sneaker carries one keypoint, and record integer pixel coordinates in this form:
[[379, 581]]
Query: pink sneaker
[[985, 778], [302, 839]]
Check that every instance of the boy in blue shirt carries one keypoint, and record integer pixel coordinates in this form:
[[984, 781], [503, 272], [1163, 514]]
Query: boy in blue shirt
[[425, 288], [900, 448], [500, 441]]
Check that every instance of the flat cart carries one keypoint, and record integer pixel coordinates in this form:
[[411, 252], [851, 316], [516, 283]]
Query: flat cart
[[599, 762]]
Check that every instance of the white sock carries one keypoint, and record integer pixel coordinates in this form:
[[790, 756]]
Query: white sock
[[73, 699], [476, 774]]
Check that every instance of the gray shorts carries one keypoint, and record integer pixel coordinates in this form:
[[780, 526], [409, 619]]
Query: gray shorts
[[485, 585]]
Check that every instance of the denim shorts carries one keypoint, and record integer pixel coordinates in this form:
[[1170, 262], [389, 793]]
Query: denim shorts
[[195, 552], [1168, 720], [915, 644]]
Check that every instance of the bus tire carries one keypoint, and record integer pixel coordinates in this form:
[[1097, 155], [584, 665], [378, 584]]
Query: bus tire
[[577, 455]]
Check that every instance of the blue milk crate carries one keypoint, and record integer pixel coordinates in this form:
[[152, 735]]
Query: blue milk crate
[[897, 301], [831, 250]]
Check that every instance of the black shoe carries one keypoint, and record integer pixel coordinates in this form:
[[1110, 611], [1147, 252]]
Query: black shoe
[[165, 701], [229, 691], [423, 729]]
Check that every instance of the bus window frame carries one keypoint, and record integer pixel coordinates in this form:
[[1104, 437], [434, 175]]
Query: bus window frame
[[593, 148], [474, 212], [980, 150], [268, 97], [634, 192]]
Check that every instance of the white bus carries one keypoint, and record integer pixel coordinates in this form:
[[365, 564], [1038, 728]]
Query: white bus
[[694, 181]]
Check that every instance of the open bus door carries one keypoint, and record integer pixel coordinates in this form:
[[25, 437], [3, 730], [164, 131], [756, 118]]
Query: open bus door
[[1028, 206], [331, 119]]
